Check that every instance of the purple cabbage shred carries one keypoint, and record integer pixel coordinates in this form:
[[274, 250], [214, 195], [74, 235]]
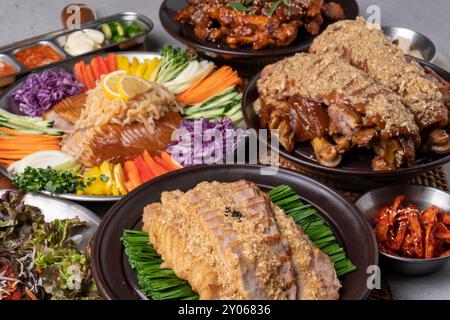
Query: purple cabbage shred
[[203, 142], [40, 92]]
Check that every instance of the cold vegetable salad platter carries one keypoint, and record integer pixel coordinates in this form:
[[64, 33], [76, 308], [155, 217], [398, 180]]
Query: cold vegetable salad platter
[[97, 128]]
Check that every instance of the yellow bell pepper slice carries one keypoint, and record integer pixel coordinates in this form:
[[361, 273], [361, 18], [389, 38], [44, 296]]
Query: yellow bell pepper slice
[[107, 175], [123, 63], [152, 67], [134, 66], [119, 62], [94, 185], [115, 190], [119, 179], [141, 70]]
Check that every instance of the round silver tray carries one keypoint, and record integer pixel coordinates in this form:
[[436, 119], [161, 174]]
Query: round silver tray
[[84, 198]]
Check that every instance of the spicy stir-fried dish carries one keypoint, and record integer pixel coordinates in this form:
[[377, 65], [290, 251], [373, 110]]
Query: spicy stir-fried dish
[[355, 89], [40, 260], [230, 241], [421, 90], [259, 23], [412, 233]]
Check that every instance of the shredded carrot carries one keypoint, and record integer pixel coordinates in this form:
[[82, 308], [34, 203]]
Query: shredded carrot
[[30, 294], [103, 65], [132, 173], [144, 172], [11, 150], [161, 162], [90, 77], [96, 69], [210, 86], [13, 132], [167, 158], [78, 70], [20, 144], [6, 162], [203, 77], [27, 136], [154, 167], [112, 65]]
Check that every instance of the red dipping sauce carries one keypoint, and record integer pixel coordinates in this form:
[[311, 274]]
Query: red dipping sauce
[[37, 56], [6, 69]]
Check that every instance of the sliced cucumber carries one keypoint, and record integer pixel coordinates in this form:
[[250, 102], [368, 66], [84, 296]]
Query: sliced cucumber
[[134, 30], [133, 34], [233, 110], [226, 100], [208, 114], [14, 127], [27, 124], [237, 117], [5, 114], [118, 39], [121, 28], [223, 99], [109, 30]]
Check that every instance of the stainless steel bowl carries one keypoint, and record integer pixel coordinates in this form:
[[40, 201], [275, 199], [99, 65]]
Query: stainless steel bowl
[[423, 197], [418, 41]]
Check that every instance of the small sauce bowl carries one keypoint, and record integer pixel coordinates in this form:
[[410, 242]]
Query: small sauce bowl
[[418, 42]]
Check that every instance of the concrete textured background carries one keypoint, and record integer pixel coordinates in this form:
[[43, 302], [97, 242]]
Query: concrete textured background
[[21, 19]]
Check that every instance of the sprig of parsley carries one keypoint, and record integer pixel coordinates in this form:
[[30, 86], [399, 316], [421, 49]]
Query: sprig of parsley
[[275, 6], [244, 6], [240, 6], [49, 179]]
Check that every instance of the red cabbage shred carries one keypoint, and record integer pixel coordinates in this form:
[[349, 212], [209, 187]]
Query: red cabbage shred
[[196, 143], [40, 92]]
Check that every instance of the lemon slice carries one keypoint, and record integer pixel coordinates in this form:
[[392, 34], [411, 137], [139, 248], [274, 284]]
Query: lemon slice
[[111, 82], [130, 87]]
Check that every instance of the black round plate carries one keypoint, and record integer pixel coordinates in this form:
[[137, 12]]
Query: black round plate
[[355, 170], [116, 280], [185, 34]]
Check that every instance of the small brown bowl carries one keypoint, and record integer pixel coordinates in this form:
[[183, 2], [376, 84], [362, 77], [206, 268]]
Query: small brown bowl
[[423, 197]]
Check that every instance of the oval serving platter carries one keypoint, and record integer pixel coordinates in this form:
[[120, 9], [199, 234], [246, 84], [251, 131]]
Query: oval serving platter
[[53, 209], [185, 34], [8, 103], [355, 172], [116, 280]]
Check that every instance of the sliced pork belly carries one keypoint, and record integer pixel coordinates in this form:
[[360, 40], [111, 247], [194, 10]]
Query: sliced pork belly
[[230, 242], [58, 121], [263, 273], [116, 143], [65, 113], [70, 108], [171, 234], [316, 275]]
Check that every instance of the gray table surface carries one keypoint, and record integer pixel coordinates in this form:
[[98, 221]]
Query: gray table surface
[[21, 19]]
